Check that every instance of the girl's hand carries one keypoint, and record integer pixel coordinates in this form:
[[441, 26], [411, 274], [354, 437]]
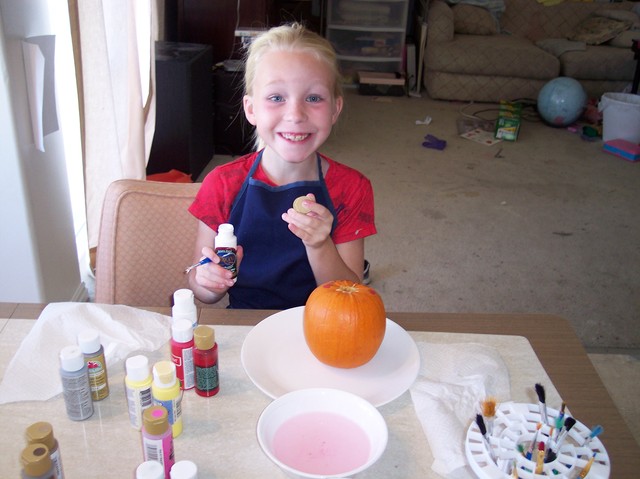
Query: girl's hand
[[314, 227], [214, 277]]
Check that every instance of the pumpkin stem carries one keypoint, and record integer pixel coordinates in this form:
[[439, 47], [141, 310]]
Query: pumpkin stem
[[347, 288]]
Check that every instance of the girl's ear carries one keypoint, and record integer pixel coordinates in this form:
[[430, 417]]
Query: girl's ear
[[337, 108], [247, 104]]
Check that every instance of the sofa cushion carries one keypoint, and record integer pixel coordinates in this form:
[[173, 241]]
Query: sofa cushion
[[595, 30], [492, 55], [557, 46], [620, 15], [625, 39], [531, 19], [473, 20], [599, 62]]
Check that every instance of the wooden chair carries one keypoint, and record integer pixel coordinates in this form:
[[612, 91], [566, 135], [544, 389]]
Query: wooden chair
[[146, 241]]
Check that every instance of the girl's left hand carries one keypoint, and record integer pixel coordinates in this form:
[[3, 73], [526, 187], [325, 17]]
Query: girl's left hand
[[314, 227]]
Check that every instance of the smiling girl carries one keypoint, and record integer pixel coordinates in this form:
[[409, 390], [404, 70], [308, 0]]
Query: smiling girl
[[293, 98]]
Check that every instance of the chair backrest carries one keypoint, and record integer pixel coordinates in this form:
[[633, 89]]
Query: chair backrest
[[146, 240]]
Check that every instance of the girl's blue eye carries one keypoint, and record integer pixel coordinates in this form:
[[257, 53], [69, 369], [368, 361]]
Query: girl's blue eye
[[314, 98], [276, 98]]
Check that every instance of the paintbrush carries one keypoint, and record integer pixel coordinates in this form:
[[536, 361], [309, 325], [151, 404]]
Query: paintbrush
[[532, 446], [569, 422], [560, 418], [595, 432], [485, 436], [540, 458], [542, 403], [587, 468], [489, 412]]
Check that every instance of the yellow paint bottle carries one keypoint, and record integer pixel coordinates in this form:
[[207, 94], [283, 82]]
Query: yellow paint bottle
[[166, 392]]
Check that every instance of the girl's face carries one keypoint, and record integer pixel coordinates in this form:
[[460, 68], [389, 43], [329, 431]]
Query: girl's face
[[292, 104]]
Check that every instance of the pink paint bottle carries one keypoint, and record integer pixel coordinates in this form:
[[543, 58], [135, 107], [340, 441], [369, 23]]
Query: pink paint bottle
[[157, 438]]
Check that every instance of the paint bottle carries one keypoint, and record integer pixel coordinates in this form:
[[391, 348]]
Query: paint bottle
[[36, 462], [150, 470], [184, 470], [137, 383], [184, 306], [182, 352], [89, 342], [42, 432], [205, 359], [75, 384], [157, 439], [166, 392], [225, 246]]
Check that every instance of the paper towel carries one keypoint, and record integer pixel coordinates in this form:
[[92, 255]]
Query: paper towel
[[33, 373], [453, 381]]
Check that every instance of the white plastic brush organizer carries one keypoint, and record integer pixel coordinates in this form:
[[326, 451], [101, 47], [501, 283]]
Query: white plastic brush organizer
[[515, 424]]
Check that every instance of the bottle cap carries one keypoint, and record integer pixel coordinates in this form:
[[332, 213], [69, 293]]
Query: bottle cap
[[184, 306], [41, 432], [71, 358], [89, 341], [225, 237], [204, 337], [137, 368], [164, 374], [150, 470], [155, 420], [184, 470], [182, 330], [35, 460], [183, 298]]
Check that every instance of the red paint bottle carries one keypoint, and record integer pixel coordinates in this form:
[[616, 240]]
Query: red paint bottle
[[182, 352], [205, 359]]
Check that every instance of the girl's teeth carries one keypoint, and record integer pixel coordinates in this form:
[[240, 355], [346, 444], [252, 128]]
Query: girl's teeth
[[294, 137]]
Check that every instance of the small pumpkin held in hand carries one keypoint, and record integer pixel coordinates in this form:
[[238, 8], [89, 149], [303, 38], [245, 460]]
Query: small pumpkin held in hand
[[344, 323]]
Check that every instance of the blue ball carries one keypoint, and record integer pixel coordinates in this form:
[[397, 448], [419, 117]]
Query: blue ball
[[561, 101]]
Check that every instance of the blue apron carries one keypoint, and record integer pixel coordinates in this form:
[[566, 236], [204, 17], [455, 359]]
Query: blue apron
[[275, 272]]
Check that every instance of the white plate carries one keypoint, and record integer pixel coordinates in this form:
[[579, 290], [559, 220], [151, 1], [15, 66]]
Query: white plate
[[276, 357]]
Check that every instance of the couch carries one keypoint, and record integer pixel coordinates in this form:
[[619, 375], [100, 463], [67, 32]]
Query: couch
[[476, 53]]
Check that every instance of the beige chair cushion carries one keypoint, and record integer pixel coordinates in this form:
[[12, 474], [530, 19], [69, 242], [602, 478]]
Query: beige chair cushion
[[146, 240]]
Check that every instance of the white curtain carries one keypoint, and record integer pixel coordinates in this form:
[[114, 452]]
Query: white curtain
[[116, 62]]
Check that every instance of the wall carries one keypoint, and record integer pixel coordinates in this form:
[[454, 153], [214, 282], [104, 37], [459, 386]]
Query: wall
[[38, 254]]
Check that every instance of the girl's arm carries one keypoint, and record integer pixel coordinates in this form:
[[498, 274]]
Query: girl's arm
[[333, 262], [209, 282]]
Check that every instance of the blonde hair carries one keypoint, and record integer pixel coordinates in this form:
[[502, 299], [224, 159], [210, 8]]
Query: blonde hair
[[291, 37]]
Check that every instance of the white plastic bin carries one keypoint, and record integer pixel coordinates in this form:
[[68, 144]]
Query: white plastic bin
[[620, 116]]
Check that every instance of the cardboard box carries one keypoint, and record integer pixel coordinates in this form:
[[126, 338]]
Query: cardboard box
[[381, 83], [508, 122]]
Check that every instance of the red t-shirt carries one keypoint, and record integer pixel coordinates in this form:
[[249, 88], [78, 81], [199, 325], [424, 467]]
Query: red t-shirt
[[350, 192]]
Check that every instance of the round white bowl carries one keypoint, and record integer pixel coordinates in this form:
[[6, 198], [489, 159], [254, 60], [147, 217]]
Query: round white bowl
[[323, 400]]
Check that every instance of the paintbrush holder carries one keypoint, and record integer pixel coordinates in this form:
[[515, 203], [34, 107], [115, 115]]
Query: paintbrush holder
[[515, 427]]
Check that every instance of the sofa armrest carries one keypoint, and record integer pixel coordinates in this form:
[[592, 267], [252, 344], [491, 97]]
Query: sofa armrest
[[439, 23]]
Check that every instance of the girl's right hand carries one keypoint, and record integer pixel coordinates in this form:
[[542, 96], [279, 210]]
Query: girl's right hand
[[214, 277]]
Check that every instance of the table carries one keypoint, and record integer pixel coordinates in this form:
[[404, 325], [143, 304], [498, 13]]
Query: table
[[552, 338]]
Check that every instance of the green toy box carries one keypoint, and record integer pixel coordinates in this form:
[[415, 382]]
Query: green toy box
[[508, 122]]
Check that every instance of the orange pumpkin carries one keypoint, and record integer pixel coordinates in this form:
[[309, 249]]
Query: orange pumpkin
[[344, 323]]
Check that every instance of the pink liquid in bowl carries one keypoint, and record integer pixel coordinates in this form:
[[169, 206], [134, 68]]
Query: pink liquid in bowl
[[321, 443]]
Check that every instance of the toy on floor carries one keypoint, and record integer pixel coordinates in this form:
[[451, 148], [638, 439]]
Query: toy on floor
[[561, 101], [434, 143], [623, 148]]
